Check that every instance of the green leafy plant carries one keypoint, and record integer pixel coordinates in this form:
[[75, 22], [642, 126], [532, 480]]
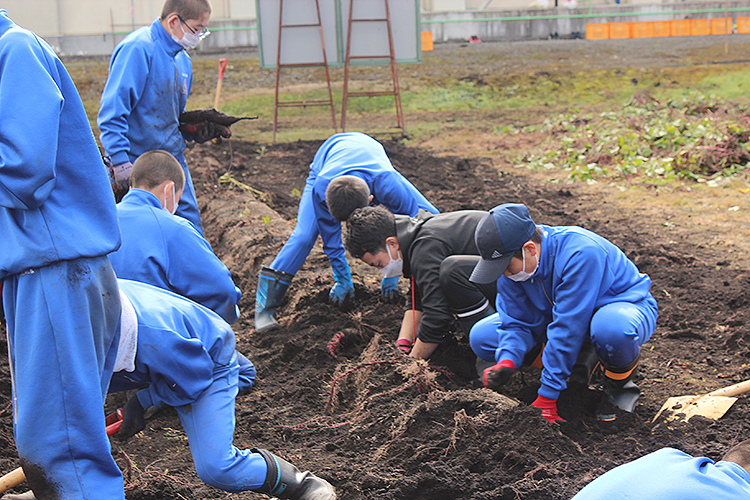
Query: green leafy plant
[[691, 137]]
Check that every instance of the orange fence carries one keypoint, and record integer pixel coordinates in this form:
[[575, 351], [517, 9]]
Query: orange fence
[[663, 28], [679, 27]]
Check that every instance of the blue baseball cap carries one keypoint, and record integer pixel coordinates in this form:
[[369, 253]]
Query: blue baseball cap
[[499, 235]]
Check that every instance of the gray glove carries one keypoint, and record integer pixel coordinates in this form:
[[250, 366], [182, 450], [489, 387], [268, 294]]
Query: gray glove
[[133, 419]]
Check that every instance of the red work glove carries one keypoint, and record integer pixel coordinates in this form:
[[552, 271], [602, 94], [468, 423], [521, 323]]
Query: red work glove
[[549, 409], [405, 345], [495, 376]]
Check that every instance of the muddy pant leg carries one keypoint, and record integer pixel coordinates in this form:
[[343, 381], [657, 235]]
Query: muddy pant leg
[[469, 301], [209, 424], [618, 330], [188, 205], [63, 329], [298, 246]]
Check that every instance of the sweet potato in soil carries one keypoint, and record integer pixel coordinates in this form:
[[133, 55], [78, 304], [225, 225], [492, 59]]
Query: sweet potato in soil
[[379, 425]]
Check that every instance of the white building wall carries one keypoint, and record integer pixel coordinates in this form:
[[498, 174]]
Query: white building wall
[[94, 27], [87, 17]]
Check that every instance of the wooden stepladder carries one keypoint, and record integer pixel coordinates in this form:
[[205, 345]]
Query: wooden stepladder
[[324, 63], [395, 91]]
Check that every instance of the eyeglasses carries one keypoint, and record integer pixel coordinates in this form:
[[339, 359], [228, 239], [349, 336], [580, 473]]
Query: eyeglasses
[[202, 34]]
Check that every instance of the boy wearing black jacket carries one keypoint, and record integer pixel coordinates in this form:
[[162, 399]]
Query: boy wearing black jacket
[[438, 253]]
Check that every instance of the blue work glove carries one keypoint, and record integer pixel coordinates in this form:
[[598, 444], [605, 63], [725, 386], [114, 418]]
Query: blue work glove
[[343, 291], [389, 290]]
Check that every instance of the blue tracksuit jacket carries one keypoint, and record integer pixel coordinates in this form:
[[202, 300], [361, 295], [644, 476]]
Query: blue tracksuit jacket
[[670, 474], [150, 78], [166, 251], [55, 198], [350, 153], [196, 339], [57, 223], [579, 273]]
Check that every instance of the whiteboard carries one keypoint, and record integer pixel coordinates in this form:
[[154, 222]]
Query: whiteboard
[[370, 38], [301, 45]]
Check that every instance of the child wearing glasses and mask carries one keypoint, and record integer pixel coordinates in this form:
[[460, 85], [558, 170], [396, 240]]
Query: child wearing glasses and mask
[[150, 77]]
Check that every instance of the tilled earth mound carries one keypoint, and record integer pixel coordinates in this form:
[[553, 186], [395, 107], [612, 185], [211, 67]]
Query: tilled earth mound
[[380, 425]]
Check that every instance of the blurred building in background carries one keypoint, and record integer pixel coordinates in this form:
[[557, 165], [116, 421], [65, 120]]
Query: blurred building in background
[[94, 27]]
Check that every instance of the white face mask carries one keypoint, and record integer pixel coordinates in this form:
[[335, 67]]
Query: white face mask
[[395, 267], [189, 40], [174, 201], [523, 275]]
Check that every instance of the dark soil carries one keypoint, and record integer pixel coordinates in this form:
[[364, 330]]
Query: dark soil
[[379, 425]]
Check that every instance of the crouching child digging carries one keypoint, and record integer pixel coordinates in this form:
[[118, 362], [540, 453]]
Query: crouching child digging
[[560, 288], [199, 378]]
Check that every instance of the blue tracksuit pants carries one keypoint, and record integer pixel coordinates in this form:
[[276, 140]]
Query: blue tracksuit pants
[[617, 331], [188, 205], [63, 330], [303, 237], [209, 424]]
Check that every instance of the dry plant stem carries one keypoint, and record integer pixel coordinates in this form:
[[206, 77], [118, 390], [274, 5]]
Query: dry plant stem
[[463, 423], [352, 370]]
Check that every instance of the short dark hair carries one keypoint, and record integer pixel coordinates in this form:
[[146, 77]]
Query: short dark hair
[[345, 194], [186, 9], [739, 454], [154, 167], [536, 238], [367, 230]]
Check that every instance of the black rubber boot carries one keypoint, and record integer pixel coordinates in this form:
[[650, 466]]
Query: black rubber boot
[[285, 481], [619, 390], [272, 285], [585, 364]]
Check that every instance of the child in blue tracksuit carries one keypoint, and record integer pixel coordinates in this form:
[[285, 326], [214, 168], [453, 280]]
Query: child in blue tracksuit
[[150, 78], [199, 379], [560, 287], [59, 293], [345, 154], [166, 251], [670, 474]]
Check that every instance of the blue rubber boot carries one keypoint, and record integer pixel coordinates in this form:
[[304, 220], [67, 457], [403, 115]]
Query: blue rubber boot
[[272, 285]]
